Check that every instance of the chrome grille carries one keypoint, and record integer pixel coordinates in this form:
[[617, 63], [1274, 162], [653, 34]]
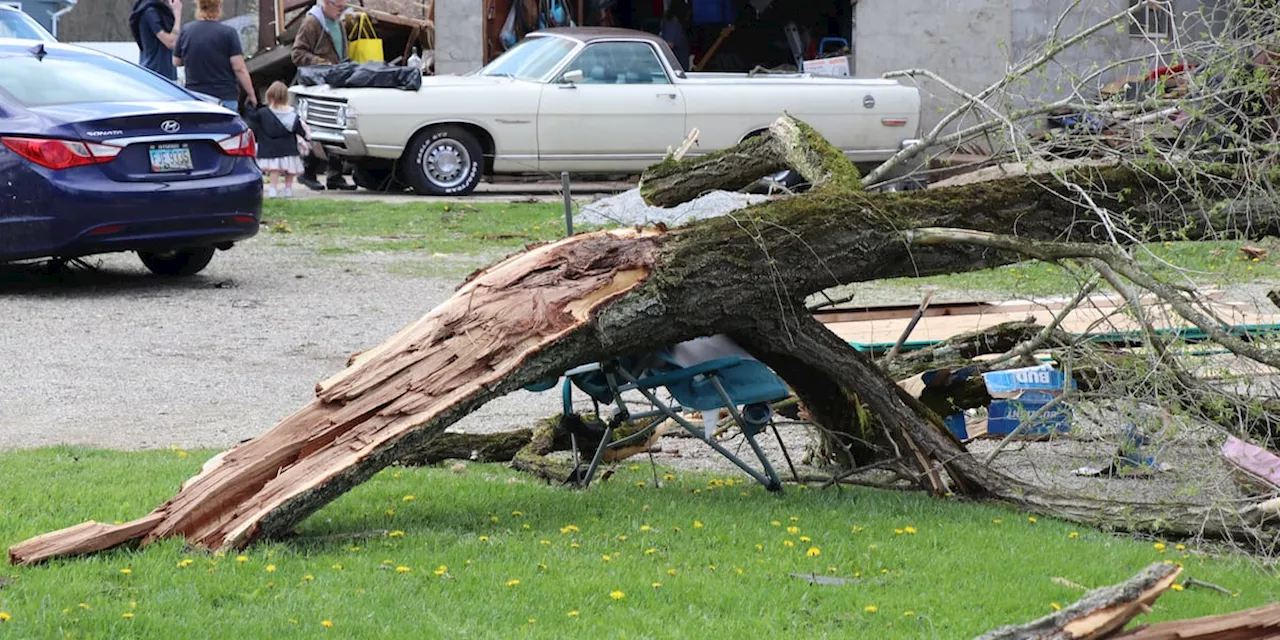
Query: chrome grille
[[328, 114]]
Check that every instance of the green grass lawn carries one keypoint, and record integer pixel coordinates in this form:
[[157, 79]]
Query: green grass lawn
[[492, 553], [430, 228]]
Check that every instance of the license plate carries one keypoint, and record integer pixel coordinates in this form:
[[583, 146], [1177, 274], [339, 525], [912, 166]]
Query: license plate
[[170, 157]]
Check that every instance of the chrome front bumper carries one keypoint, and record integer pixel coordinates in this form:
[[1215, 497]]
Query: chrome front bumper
[[346, 142]]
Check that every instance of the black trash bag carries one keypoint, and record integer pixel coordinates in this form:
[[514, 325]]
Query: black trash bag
[[312, 75], [374, 74]]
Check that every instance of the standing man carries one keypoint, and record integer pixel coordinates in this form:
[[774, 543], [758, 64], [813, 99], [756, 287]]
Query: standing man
[[213, 57], [155, 25], [321, 40]]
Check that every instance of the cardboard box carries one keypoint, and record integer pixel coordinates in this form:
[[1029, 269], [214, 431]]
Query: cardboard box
[[1018, 393], [838, 66]]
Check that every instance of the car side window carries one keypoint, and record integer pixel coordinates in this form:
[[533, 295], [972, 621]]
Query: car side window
[[619, 63]]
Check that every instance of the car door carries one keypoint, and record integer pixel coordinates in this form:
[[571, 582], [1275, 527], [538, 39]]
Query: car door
[[621, 116]]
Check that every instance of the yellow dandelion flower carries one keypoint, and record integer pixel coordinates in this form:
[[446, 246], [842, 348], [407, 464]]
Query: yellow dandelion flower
[[185, 562], [126, 571], [634, 467], [5, 617], [656, 585], [390, 512], [697, 524], [622, 538], [356, 548], [671, 572], [533, 620], [857, 529], [831, 568], [1055, 606], [1159, 546], [908, 614], [795, 518], [402, 569], [574, 545], [544, 542], [395, 534], [884, 572], [408, 498], [182, 454], [542, 566], [573, 614], [759, 547], [242, 559], [898, 532], [871, 608], [649, 552], [805, 539], [668, 476], [308, 578], [569, 529], [873, 547], [606, 557], [775, 523], [793, 530], [788, 543], [328, 624], [640, 483], [997, 521], [1073, 535], [493, 518], [1181, 547], [738, 570], [617, 595], [126, 615], [440, 570], [483, 538], [1176, 587], [271, 568], [813, 552], [711, 567], [337, 567], [512, 583], [911, 531], [84, 605]]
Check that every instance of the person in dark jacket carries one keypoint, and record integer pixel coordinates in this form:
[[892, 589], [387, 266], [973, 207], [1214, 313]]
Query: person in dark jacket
[[321, 40], [280, 134], [213, 57], [155, 25]]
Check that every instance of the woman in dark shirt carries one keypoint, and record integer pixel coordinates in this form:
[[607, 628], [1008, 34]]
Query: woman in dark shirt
[[213, 57]]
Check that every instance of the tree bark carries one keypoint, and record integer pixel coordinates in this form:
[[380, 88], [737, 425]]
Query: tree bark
[[1101, 612], [595, 295]]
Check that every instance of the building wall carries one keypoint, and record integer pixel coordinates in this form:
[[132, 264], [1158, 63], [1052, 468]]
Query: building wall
[[964, 41], [108, 20], [972, 43], [459, 35]]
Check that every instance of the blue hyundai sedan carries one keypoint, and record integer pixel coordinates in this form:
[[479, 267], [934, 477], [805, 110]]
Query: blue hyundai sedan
[[98, 155]]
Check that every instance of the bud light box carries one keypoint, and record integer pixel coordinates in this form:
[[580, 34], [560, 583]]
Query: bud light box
[[1018, 393]]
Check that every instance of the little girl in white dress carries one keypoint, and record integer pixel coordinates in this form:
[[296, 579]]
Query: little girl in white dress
[[280, 135]]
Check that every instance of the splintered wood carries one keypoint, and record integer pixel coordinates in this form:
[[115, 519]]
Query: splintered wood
[[446, 362]]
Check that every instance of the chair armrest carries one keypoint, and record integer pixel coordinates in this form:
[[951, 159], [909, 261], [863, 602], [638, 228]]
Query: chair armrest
[[680, 375]]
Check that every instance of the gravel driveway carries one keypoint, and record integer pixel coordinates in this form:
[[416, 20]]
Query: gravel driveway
[[124, 360]]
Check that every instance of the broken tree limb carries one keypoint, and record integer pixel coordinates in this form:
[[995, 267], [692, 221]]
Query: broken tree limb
[[1259, 623], [601, 294], [1099, 613]]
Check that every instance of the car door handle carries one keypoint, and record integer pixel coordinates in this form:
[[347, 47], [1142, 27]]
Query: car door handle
[[569, 86], [667, 95]]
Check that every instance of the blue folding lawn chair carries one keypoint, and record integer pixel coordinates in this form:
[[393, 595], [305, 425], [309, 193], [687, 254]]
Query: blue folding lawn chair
[[705, 375]]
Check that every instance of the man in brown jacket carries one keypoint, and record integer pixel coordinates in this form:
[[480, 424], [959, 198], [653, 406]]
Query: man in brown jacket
[[321, 40]]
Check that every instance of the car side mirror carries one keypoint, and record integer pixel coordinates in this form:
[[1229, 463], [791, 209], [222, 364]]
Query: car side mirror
[[573, 77]]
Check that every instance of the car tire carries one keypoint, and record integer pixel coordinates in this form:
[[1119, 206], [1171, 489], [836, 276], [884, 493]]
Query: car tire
[[182, 262], [444, 161]]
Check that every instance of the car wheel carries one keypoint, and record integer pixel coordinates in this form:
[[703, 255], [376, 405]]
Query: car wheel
[[183, 262], [380, 178], [444, 161]]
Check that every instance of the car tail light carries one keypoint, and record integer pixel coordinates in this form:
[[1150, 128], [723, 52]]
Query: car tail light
[[61, 154], [241, 144]]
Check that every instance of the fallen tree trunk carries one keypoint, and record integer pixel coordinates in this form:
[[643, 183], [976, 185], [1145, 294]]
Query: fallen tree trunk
[[1101, 612], [591, 296]]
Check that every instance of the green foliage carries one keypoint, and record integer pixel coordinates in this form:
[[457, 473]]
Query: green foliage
[[488, 553]]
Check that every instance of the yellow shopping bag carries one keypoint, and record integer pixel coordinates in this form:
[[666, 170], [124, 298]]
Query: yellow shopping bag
[[365, 45]]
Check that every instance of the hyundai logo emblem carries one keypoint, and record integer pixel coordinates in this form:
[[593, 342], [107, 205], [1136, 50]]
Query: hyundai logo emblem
[[170, 126]]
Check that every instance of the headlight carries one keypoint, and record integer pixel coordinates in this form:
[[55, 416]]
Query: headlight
[[348, 115]]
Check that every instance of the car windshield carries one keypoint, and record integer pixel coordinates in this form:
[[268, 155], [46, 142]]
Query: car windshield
[[531, 59], [15, 24], [70, 78]]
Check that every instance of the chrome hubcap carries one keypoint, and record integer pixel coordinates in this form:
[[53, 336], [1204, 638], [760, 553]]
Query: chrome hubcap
[[446, 163]]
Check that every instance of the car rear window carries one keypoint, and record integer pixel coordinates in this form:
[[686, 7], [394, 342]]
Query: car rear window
[[71, 78]]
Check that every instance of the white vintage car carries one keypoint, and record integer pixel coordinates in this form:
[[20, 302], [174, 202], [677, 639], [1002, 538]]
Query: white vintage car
[[587, 100]]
